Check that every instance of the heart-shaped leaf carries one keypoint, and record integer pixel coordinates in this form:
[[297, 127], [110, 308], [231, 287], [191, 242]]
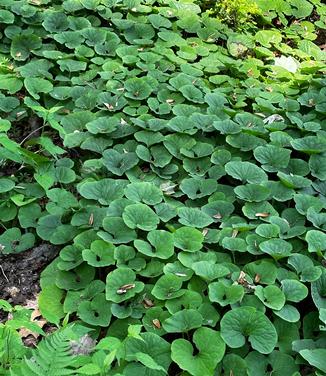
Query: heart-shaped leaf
[[140, 216], [246, 172], [183, 321], [188, 239], [100, 254], [119, 163], [121, 285], [95, 312], [161, 244], [225, 294], [247, 322], [144, 192], [205, 362]]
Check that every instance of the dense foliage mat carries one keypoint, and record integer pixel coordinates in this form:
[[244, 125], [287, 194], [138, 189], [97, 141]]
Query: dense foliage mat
[[181, 167]]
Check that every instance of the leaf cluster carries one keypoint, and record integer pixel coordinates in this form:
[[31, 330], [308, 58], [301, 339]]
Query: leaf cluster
[[180, 166]]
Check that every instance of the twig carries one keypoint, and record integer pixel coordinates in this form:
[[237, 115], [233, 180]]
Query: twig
[[4, 274], [29, 135], [1, 224]]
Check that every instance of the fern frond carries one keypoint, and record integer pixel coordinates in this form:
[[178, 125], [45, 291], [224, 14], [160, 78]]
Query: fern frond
[[51, 358]]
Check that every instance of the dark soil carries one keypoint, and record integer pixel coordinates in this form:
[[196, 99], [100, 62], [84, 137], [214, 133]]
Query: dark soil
[[20, 273], [321, 39]]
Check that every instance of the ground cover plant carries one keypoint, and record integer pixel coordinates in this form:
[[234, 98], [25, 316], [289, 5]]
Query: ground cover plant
[[172, 155]]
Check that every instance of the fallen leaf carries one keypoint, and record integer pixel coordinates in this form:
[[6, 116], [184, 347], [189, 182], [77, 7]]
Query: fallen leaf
[[263, 215], [257, 278], [123, 289], [156, 323], [148, 303]]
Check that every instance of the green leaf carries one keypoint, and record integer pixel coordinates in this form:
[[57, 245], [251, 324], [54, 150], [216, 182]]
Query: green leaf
[[77, 279], [272, 296], [137, 88], [310, 48], [70, 39], [117, 231], [252, 192], [317, 166], [246, 172], [304, 202], [23, 45], [168, 287], [134, 331], [155, 347], [70, 65], [191, 93], [140, 216], [234, 244], [121, 285], [5, 306], [309, 144], [183, 321], [148, 362], [294, 290], [268, 230], [215, 100], [100, 254], [10, 83], [233, 363], [4, 125], [288, 313], [304, 267], [316, 241], [6, 185], [159, 21], [95, 312], [318, 291], [187, 259], [227, 126], [243, 322], [273, 158], [62, 198], [197, 188], [244, 142], [103, 125], [89, 369], [293, 181], [50, 305], [35, 85], [55, 22], [8, 104], [13, 241], [69, 258], [94, 36], [194, 217], [189, 300], [161, 244], [182, 124], [301, 9], [277, 248], [315, 357], [225, 294], [144, 192], [6, 17], [105, 191], [209, 271], [207, 358], [218, 209], [119, 163], [188, 239], [278, 362], [266, 37]]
